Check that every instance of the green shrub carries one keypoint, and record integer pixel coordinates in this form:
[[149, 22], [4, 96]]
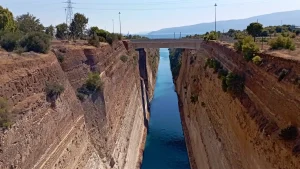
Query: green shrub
[[5, 116], [224, 84], [257, 60], [194, 98], [94, 82], [247, 46], [119, 36], [210, 36], [53, 90], [36, 42], [282, 43], [60, 58], [289, 133], [238, 45], [293, 35], [80, 96], [109, 40], [282, 74], [235, 84], [9, 41], [102, 39], [124, 58], [209, 63], [19, 50], [213, 63], [94, 40], [222, 73], [285, 34]]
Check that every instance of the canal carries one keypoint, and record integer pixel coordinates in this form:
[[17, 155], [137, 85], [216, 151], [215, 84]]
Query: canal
[[165, 145]]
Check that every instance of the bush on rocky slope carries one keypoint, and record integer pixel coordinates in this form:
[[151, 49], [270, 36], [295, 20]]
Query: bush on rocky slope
[[4, 114]]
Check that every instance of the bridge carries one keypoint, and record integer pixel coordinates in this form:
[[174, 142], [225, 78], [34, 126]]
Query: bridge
[[167, 43]]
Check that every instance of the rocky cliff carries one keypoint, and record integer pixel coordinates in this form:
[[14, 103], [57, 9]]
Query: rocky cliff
[[106, 129], [237, 130]]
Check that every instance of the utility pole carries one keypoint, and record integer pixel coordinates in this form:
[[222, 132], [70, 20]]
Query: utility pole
[[113, 26], [120, 23], [180, 36], [215, 17], [174, 35]]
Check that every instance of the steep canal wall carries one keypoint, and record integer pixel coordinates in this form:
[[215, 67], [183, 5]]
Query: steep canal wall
[[243, 127], [104, 129]]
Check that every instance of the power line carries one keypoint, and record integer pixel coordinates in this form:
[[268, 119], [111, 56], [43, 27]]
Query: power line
[[177, 8]]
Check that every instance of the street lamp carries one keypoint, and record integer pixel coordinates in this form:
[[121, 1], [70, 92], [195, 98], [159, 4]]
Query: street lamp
[[113, 26], [120, 23], [215, 17]]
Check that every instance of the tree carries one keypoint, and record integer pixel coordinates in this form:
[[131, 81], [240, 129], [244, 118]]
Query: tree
[[264, 33], [254, 29], [28, 23], [93, 30], [50, 30], [231, 32], [7, 22], [61, 31], [78, 25], [36, 42]]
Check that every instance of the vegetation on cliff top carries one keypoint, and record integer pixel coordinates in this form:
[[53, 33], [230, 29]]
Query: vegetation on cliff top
[[27, 36], [247, 46], [282, 43]]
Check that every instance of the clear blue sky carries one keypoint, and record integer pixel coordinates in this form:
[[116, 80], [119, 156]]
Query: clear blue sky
[[148, 15]]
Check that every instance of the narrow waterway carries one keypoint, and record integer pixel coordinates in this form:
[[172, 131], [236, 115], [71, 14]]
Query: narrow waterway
[[165, 145]]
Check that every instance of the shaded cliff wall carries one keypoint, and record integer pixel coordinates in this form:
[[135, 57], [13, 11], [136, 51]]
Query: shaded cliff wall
[[238, 132], [115, 117], [104, 131]]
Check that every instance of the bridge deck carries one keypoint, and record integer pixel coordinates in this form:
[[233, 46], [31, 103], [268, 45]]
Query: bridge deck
[[167, 43]]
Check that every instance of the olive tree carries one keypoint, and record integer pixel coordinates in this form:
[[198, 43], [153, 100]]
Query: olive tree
[[254, 29]]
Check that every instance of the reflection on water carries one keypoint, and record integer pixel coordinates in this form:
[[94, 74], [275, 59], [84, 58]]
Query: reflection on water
[[165, 146]]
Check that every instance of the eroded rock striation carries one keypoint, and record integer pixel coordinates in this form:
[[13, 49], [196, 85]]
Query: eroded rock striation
[[240, 131], [105, 129]]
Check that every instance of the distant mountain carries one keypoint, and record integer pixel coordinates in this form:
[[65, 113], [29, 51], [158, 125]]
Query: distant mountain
[[289, 17]]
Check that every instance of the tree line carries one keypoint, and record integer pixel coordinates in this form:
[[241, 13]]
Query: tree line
[[26, 32]]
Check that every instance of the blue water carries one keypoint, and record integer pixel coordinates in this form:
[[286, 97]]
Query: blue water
[[165, 145]]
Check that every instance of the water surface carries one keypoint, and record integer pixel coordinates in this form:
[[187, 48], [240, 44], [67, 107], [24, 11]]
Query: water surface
[[165, 145]]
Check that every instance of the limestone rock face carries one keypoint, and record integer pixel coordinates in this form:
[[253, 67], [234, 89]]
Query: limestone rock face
[[106, 130], [238, 132]]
